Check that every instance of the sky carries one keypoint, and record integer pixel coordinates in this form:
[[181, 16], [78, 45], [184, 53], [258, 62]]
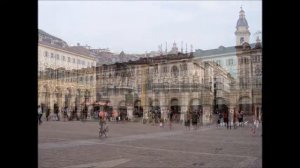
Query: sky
[[141, 26]]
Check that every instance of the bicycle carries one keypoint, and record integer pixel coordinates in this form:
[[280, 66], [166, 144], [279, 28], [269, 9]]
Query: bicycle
[[103, 131]]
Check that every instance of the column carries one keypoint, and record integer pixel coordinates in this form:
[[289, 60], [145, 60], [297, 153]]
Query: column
[[130, 112], [231, 114], [51, 104], [207, 109]]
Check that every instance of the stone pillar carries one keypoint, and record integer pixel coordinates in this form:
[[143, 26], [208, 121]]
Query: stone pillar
[[207, 110], [130, 112], [145, 111], [184, 109], [72, 101], [80, 107], [231, 115], [51, 105]]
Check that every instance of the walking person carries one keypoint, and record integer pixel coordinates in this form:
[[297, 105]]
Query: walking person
[[40, 114], [234, 120], [226, 120], [194, 120], [254, 126], [218, 123], [187, 121], [65, 111], [102, 123], [47, 113], [221, 119], [170, 120], [56, 111], [210, 120]]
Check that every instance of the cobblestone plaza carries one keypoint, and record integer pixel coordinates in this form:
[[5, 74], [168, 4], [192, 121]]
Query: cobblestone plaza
[[76, 145]]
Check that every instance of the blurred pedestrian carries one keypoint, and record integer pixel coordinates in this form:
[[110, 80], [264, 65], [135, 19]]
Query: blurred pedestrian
[[40, 113], [65, 111], [47, 113], [56, 111], [187, 122]]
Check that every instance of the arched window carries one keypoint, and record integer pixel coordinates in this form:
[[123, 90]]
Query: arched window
[[175, 71], [165, 69], [184, 67], [241, 40]]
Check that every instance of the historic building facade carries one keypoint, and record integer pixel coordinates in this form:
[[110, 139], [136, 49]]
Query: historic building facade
[[165, 85], [66, 75], [244, 63], [223, 80]]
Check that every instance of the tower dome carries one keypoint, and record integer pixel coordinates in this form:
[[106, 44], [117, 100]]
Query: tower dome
[[242, 20], [242, 32]]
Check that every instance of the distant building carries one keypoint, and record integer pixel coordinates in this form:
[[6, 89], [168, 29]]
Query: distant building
[[226, 56], [66, 75], [244, 63]]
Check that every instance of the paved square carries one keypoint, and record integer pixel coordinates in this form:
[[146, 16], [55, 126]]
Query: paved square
[[76, 144]]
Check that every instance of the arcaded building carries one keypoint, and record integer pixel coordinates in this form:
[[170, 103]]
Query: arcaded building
[[66, 75], [166, 84]]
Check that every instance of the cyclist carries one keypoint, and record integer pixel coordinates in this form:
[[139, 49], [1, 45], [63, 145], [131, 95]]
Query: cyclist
[[102, 121]]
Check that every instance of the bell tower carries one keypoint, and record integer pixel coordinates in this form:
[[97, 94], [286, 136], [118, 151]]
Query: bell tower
[[242, 33]]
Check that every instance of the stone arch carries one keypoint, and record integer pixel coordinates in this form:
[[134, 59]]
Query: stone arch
[[68, 96], [221, 105], [138, 109], [57, 98], [77, 100], [45, 97], [195, 104], [175, 109], [122, 110], [245, 105]]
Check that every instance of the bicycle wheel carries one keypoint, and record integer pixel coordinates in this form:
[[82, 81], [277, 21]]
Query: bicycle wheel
[[100, 133]]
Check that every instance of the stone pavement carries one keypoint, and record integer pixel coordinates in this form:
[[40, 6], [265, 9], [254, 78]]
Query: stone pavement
[[76, 144]]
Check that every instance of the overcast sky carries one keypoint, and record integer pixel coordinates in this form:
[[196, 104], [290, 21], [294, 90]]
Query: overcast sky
[[140, 26]]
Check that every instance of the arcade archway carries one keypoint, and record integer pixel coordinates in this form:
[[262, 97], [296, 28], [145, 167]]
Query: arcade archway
[[138, 109], [123, 110], [245, 105], [174, 110], [45, 98], [196, 109]]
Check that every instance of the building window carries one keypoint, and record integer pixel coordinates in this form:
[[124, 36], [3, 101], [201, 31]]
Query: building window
[[230, 62], [175, 71], [219, 62], [258, 58], [57, 56], [52, 55], [165, 69], [69, 59], [83, 62], [156, 68], [63, 58], [184, 67], [46, 54]]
